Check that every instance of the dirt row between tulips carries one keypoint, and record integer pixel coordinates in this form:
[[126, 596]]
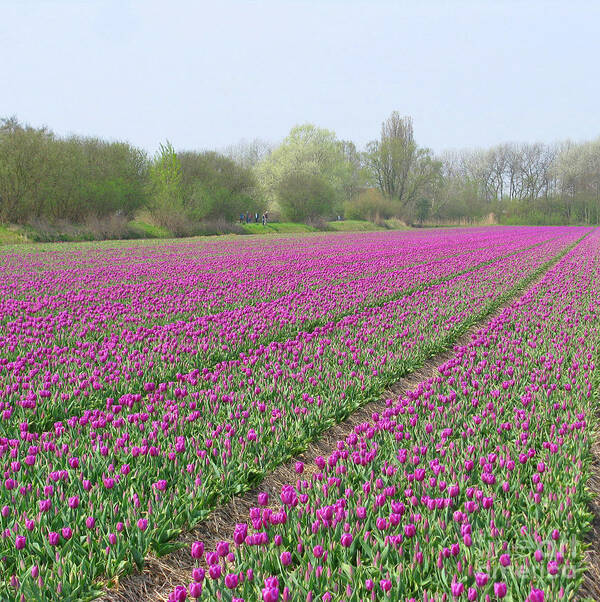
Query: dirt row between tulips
[[590, 589], [160, 576]]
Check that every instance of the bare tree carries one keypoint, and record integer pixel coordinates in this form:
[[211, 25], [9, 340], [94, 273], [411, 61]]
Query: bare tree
[[392, 157], [399, 167], [247, 153]]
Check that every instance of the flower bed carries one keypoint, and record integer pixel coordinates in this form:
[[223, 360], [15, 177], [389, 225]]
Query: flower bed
[[471, 486], [97, 490]]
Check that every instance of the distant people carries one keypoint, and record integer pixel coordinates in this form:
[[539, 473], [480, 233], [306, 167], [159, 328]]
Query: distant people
[[263, 219], [256, 218], [248, 217], [242, 217], [266, 217]]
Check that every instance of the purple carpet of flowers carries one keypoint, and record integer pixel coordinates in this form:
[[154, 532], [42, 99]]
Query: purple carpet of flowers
[[141, 386], [470, 487]]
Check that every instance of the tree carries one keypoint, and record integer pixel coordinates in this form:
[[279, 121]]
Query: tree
[[248, 154], [308, 156], [24, 153], [357, 175], [392, 157], [165, 185], [399, 167], [305, 196], [43, 177], [577, 172], [216, 187]]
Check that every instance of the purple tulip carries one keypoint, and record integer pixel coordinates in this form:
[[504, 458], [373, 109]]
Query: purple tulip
[[500, 589], [214, 571], [536, 595], [222, 548], [195, 589], [53, 538], [346, 540], [385, 585], [179, 594], [197, 549], [270, 594], [457, 589], [481, 579], [539, 555]]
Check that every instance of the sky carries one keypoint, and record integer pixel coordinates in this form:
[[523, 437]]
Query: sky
[[206, 74]]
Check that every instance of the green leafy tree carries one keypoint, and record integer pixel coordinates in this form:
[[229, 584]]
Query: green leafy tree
[[43, 177], [165, 186], [312, 157], [24, 166], [305, 196], [215, 187]]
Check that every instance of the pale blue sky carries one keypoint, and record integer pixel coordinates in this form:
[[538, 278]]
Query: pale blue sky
[[206, 74]]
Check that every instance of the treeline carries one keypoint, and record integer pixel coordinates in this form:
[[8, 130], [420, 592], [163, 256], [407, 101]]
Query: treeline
[[44, 176], [522, 184], [311, 176]]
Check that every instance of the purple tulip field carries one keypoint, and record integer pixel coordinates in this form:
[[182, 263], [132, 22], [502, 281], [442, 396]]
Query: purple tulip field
[[143, 386]]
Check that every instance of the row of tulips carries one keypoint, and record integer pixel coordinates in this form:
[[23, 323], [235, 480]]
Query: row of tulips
[[70, 352], [188, 278], [97, 271], [472, 486], [94, 493]]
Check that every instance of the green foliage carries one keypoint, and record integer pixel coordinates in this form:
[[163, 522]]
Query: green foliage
[[146, 230], [165, 185], [401, 170], [11, 236], [353, 225], [305, 196], [24, 159], [78, 188], [44, 177], [216, 188], [370, 204], [314, 159], [277, 228]]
